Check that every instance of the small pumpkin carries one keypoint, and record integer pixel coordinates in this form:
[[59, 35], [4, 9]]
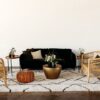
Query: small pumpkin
[[25, 76]]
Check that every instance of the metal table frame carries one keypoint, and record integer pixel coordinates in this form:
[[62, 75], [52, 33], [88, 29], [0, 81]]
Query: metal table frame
[[9, 61]]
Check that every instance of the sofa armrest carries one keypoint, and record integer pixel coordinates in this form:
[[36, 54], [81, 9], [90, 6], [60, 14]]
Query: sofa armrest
[[25, 60]]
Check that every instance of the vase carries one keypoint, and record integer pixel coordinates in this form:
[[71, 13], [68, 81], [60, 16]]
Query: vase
[[52, 73]]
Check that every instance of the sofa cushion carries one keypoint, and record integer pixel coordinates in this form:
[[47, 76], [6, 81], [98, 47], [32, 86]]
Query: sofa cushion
[[37, 54]]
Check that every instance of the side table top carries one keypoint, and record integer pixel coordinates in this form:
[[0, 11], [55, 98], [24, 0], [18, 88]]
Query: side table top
[[15, 57]]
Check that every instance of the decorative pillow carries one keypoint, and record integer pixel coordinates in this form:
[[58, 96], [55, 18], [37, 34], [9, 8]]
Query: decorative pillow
[[37, 54]]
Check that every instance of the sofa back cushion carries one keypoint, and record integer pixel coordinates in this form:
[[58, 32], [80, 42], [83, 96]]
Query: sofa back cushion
[[60, 53]]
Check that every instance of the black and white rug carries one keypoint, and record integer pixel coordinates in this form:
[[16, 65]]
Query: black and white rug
[[69, 80]]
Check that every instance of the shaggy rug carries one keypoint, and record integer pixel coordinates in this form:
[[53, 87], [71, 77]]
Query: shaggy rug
[[69, 80]]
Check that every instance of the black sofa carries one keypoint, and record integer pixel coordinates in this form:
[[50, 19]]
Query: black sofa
[[67, 56]]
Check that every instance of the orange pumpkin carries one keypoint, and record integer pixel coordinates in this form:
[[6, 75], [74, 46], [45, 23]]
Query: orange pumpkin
[[25, 76]]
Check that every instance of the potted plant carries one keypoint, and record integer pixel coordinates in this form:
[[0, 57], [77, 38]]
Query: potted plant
[[51, 69]]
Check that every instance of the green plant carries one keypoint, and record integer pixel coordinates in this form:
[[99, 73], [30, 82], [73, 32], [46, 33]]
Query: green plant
[[51, 59]]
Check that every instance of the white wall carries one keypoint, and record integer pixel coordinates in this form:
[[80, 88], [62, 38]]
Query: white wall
[[49, 23]]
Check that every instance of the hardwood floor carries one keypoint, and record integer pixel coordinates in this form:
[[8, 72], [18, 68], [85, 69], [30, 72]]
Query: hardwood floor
[[51, 96]]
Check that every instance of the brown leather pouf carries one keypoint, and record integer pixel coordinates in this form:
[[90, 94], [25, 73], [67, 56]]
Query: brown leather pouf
[[25, 76]]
